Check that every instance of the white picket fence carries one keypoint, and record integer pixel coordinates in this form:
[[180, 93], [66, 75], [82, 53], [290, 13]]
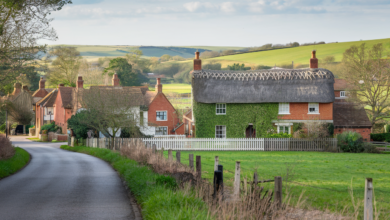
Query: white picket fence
[[218, 144]]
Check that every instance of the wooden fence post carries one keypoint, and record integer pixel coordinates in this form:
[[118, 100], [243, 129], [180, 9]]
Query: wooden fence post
[[72, 141], [278, 191], [191, 161], [368, 197], [198, 169], [154, 148], [220, 168], [216, 163], [170, 157], [255, 178], [162, 151], [178, 156], [236, 191]]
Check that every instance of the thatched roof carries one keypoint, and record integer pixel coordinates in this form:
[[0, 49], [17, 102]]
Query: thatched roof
[[263, 86]]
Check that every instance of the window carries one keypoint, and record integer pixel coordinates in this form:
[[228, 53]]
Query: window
[[221, 109], [313, 108], [220, 131], [284, 108], [342, 93], [161, 131], [141, 118], [161, 115], [284, 129]]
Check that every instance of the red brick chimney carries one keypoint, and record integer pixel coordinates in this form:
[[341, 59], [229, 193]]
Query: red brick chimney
[[115, 80], [158, 86], [313, 60], [197, 62], [80, 82], [42, 83], [60, 85], [25, 88], [17, 88]]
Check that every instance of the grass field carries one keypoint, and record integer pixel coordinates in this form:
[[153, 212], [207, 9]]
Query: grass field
[[15, 163], [324, 177], [175, 87], [300, 55]]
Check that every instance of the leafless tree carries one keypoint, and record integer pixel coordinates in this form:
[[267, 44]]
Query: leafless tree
[[65, 67], [368, 73]]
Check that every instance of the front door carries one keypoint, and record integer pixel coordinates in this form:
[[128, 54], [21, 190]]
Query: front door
[[250, 132]]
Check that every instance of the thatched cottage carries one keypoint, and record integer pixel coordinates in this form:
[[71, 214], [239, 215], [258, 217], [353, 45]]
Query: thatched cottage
[[237, 104]]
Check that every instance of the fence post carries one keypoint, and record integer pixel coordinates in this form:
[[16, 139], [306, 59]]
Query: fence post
[[368, 196], [191, 161], [216, 163], [72, 141], [236, 192], [218, 183], [198, 169], [278, 191], [220, 168], [255, 179], [178, 156], [154, 148], [170, 157]]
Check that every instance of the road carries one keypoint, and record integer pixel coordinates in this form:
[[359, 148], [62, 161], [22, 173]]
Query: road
[[59, 184]]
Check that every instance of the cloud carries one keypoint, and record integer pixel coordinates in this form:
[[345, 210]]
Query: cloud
[[86, 2]]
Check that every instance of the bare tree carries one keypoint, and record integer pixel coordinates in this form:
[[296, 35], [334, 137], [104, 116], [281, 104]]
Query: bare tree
[[92, 73], [368, 73], [111, 108], [19, 113], [65, 67]]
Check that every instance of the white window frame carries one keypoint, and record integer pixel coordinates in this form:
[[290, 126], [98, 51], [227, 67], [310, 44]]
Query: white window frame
[[279, 125], [284, 108], [166, 114], [223, 131], [155, 131], [315, 105], [221, 107], [343, 94]]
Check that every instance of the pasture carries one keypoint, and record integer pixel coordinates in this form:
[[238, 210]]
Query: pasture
[[325, 178], [300, 55], [174, 88]]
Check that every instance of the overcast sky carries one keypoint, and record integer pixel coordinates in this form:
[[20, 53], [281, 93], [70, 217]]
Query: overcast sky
[[220, 22]]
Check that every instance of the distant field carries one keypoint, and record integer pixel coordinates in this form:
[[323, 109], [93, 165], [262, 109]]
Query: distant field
[[300, 55], [324, 177], [175, 87]]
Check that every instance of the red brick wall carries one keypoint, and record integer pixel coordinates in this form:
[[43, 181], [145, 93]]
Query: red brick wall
[[365, 132], [299, 111], [336, 93], [161, 103], [61, 115]]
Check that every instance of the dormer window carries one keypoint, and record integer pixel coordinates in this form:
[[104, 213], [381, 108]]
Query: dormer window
[[342, 93]]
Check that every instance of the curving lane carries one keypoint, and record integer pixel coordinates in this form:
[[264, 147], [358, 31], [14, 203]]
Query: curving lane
[[59, 184]]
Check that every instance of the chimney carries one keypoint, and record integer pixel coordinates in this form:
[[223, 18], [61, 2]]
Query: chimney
[[42, 83], [197, 62], [115, 80], [80, 82], [25, 88], [313, 60], [60, 85], [158, 86], [17, 88]]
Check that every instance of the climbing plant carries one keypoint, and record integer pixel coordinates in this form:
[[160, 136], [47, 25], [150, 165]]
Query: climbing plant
[[236, 119]]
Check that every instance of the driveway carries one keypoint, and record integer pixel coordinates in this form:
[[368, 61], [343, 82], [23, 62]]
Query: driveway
[[59, 184]]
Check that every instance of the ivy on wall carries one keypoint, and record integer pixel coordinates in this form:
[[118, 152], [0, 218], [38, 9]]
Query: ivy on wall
[[236, 120]]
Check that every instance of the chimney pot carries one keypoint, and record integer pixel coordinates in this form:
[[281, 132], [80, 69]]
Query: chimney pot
[[42, 83], [115, 80], [313, 60], [197, 55], [158, 86], [61, 85], [197, 62], [80, 82]]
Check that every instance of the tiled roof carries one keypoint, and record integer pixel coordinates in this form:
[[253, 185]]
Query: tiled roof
[[340, 84], [346, 114], [52, 95], [66, 96], [149, 96], [41, 92]]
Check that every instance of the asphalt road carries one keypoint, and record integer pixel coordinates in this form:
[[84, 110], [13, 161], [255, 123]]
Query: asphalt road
[[59, 184]]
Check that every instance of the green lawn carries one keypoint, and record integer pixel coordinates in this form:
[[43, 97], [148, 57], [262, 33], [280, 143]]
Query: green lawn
[[300, 55], [328, 176], [15, 163]]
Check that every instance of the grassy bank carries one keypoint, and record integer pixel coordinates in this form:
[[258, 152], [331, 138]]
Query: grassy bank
[[157, 201], [326, 178], [15, 163]]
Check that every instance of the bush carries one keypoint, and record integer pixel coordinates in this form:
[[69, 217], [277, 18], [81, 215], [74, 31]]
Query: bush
[[380, 137], [79, 129], [370, 148], [52, 127], [350, 142], [166, 181], [2, 128], [280, 135], [6, 148]]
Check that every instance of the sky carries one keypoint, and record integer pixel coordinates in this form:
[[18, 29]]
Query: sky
[[244, 23]]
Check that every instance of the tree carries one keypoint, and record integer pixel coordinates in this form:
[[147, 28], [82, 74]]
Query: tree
[[368, 74], [328, 59], [22, 24], [109, 110], [121, 67], [237, 66], [17, 112], [65, 67], [76, 124], [165, 57]]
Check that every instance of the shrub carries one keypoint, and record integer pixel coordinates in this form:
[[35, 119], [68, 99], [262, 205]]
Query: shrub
[[167, 181], [280, 135], [52, 127], [380, 137], [350, 142], [370, 148], [6, 148], [2, 128]]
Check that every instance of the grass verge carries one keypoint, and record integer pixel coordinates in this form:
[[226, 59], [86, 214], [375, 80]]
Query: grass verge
[[15, 163], [156, 201]]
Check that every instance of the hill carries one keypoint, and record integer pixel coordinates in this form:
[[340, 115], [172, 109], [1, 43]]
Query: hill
[[300, 55]]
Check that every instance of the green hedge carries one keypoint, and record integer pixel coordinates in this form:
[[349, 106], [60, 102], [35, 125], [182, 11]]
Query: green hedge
[[158, 201], [381, 137], [15, 163]]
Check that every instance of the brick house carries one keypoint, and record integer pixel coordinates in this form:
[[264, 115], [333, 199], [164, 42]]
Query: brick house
[[44, 110], [237, 104], [349, 116], [63, 107]]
